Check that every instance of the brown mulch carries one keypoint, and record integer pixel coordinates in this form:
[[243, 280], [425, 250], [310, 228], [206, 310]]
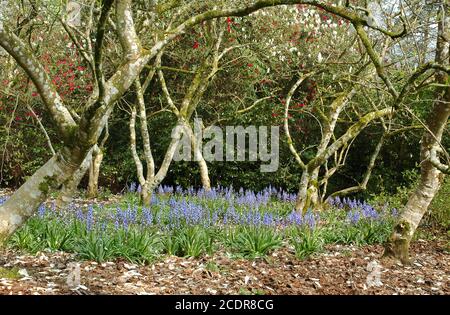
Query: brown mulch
[[338, 270]]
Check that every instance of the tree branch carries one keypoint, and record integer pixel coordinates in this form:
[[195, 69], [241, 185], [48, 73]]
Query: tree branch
[[26, 59]]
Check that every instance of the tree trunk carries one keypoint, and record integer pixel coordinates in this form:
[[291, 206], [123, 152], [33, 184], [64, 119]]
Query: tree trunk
[[198, 156], [22, 204], [431, 178], [69, 188], [430, 181], [146, 196], [94, 172], [417, 205], [303, 199], [204, 174], [308, 195]]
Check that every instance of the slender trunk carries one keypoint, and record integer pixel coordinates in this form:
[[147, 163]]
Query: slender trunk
[[203, 167], [204, 174], [431, 178], [430, 182], [308, 196], [94, 172], [154, 181], [69, 188], [303, 200], [146, 196], [314, 190]]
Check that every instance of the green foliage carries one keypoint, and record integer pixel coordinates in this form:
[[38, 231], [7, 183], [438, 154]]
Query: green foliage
[[25, 239], [96, 247], [189, 241], [138, 246], [40, 235], [195, 241], [135, 245], [365, 232], [440, 207], [401, 195], [306, 241], [253, 242]]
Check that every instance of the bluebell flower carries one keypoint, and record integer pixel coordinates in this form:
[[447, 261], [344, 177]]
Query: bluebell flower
[[295, 218], [311, 219], [147, 216], [41, 211], [79, 215], [267, 219], [394, 212], [353, 217], [159, 219], [369, 212], [90, 217], [168, 189], [154, 200], [214, 218]]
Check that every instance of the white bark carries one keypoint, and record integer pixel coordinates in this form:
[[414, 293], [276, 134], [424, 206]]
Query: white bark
[[94, 172], [431, 177], [69, 188], [21, 205]]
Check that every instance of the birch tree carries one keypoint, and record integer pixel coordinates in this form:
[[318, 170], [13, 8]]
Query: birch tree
[[434, 158], [202, 77]]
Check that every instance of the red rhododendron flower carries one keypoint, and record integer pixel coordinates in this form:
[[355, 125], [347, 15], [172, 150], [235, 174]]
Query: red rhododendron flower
[[196, 45], [229, 24]]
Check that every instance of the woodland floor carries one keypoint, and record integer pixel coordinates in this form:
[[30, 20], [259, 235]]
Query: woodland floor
[[338, 270]]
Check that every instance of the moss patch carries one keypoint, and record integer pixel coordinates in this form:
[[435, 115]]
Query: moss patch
[[47, 184], [9, 273]]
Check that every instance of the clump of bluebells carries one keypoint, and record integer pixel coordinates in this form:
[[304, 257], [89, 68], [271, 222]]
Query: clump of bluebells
[[193, 222]]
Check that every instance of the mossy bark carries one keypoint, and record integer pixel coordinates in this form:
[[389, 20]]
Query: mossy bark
[[69, 188], [146, 196], [22, 204], [398, 245], [431, 178]]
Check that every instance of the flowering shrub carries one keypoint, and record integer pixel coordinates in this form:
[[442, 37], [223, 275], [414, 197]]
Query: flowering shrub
[[24, 146]]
